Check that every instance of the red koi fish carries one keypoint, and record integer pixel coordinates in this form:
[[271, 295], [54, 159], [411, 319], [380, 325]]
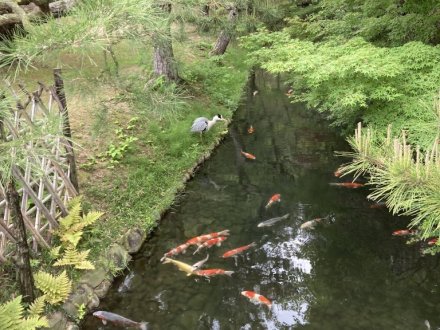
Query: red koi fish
[[352, 185], [233, 252], [213, 272], [203, 238], [180, 249], [258, 298], [403, 232], [250, 130], [432, 241], [248, 155], [210, 243], [275, 198]]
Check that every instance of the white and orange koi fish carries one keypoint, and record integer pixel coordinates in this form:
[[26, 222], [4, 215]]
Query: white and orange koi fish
[[213, 272], [178, 250], [203, 238], [210, 243], [257, 298]]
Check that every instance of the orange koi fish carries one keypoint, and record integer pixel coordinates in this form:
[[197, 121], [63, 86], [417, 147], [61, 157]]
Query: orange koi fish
[[203, 238], [352, 185], [258, 298], [403, 232], [337, 173], [210, 243], [233, 252], [180, 249], [250, 130], [275, 198], [248, 155], [432, 241], [213, 272]]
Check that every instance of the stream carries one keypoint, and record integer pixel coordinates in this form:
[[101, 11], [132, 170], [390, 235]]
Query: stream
[[348, 272]]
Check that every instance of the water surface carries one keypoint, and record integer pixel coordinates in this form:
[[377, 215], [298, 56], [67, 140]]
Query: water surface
[[347, 273]]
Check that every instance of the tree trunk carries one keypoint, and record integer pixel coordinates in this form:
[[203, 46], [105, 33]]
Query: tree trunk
[[22, 262], [226, 34], [205, 10], [164, 63]]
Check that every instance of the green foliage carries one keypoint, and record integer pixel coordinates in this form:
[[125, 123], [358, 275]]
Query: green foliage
[[55, 288], [11, 317], [356, 80], [37, 307], [409, 186], [90, 24], [386, 22], [70, 233]]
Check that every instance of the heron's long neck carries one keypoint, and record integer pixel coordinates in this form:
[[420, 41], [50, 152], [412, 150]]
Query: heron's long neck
[[211, 123]]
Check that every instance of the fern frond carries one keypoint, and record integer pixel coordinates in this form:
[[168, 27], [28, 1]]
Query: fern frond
[[37, 307], [34, 322], [55, 252], [73, 217], [74, 202], [10, 314], [56, 289], [72, 238], [75, 258]]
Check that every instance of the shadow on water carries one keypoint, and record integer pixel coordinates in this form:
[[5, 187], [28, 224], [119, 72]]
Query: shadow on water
[[347, 273]]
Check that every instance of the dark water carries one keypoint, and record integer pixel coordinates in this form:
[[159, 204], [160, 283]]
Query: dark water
[[347, 273]]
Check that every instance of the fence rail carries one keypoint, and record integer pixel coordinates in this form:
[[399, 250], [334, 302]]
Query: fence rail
[[46, 183]]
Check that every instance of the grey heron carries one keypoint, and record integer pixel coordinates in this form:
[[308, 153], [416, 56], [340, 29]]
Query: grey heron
[[203, 124]]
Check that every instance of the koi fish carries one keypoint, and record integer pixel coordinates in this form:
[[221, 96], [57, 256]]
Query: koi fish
[[203, 238], [289, 92], [254, 93], [311, 223], [275, 198], [352, 185], [213, 272], [248, 155], [378, 205], [188, 269], [337, 173], [200, 263], [403, 232], [125, 286], [258, 298], [432, 241], [180, 249], [210, 243], [272, 221], [240, 249], [119, 320], [250, 130]]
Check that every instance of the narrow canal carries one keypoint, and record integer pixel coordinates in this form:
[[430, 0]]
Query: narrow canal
[[348, 272]]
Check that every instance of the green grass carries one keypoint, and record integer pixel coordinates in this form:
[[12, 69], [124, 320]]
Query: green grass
[[146, 182]]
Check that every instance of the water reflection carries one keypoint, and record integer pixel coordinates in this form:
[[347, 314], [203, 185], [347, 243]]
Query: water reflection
[[346, 273]]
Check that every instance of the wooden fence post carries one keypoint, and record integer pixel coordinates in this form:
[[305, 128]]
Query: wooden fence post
[[22, 262], [59, 91]]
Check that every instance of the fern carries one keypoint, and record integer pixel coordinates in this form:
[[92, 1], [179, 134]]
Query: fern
[[72, 238], [37, 307], [11, 317], [75, 258], [56, 289], [74, 216]]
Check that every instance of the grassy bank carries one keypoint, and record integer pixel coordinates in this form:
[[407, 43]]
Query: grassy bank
[[134, 148]]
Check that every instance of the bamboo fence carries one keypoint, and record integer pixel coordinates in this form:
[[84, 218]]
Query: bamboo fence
[[46, 183]]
